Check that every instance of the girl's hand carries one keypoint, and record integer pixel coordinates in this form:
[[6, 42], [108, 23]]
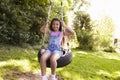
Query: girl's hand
[[45, 27], [68, 31]]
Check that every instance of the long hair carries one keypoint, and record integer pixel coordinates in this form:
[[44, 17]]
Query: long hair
[[56, 19]]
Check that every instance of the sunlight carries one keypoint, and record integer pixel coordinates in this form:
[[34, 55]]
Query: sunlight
[[111, 56], [23, 64], [105, 73], [116, 74], [100, 8], [3, 63], [74, 76], [82, 52]]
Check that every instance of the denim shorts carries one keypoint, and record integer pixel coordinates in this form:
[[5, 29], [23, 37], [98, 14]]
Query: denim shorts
[[55, 51]]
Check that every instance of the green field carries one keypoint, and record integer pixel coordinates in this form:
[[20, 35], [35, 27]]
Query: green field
[[20, 62]]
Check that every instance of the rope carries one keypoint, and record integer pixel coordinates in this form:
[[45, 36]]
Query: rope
[[62, 17], [46, 24], [62, 10]]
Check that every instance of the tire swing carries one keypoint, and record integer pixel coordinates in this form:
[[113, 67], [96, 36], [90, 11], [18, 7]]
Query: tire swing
[[65, 59]]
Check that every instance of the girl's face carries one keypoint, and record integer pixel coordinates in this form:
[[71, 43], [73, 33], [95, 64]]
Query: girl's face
[[55, 25]]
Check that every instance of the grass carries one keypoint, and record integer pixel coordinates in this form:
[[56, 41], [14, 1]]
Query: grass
[[89, 65], [85, 65], [17, 60]]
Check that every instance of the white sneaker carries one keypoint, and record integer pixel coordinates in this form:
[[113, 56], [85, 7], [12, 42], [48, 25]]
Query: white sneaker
[[44, 78], [53, 78]]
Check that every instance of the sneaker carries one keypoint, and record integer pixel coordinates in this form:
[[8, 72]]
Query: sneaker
[[44, 78], [53, 78]]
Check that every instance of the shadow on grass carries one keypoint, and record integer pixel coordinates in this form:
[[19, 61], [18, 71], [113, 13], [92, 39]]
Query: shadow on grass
[[91, 66], [19, 63], [11, 72]]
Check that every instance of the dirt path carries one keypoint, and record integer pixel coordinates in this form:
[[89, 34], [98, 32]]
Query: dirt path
[[16, 75]]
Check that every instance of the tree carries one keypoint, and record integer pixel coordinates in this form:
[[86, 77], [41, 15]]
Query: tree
[[83, 29], [19, 20], [103, 33]]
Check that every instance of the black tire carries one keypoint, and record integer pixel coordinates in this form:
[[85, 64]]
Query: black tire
[[61, 62]]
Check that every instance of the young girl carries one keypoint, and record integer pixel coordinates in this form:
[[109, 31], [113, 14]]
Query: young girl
[[53, 51]]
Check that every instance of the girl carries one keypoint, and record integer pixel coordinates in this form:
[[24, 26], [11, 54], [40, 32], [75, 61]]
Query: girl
[[53, 51]]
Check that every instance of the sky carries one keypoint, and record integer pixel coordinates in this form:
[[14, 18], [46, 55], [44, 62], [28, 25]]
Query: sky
[[100, 8]]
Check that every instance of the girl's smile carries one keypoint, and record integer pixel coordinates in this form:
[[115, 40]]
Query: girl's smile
[[55, 25]]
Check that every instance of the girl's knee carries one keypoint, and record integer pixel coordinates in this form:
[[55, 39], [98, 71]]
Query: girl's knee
[[53, 58], [45, 56]]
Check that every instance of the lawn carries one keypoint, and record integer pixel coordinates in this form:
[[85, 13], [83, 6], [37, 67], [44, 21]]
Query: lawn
[[20, 63]]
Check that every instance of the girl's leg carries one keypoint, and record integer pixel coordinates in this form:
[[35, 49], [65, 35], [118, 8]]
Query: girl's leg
[[43, 60], [53, 61]]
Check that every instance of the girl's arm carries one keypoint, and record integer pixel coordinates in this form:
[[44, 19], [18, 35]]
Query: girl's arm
[[68, 31], [45, 27]]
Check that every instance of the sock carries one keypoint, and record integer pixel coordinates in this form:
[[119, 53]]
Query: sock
[[53, 75], [43, 77]]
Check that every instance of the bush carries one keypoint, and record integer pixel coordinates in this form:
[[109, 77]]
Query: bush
[[83, 29], [95, 35], [20, 21], [103, 34]]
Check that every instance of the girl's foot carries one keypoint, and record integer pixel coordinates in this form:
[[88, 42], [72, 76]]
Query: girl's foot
[[52, 77], [44, 78]]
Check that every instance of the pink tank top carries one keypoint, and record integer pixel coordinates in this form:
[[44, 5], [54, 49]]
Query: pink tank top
[[56, 33]]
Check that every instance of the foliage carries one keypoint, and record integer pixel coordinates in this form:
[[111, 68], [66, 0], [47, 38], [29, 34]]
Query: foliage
[[103, 33], [83, 29], [59, 8], [95, 35], [20, 20], [79, 4]]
